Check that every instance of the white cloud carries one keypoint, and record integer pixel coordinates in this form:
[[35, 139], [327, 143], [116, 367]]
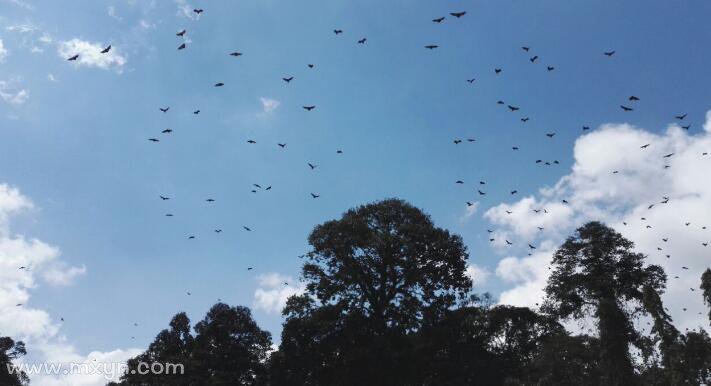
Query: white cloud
[[13, 94], [185, 10], [269, 105], [3, 51], [90, 55], [274, 291], [23, 262], [21, 4], [52, 78], [469, 211], [111, 11], [594, 192], [479, 275]]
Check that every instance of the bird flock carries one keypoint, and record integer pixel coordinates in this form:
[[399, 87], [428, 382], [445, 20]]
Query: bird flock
[[480, 187]]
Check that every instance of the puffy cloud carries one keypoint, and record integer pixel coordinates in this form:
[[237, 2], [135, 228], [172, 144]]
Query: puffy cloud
[[12, 93], [90, 55], [23, 262], [3, 51], [479, 275], [616, 181], [274, 291]]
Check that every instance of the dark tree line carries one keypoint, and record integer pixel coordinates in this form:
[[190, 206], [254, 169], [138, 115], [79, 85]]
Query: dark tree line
[[388, 302]]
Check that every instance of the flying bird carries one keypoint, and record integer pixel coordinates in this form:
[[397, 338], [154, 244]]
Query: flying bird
[[154, 139], [180, 33], [308, 108], [164, 198], [513, 108], [533, 59], [431, 46], [235, 54], [219, 84], [550, 68], [198, 10], [609, 53], [106, 50], [680, 117], [315, 195], [312, 166], [75, 57], [167, 131], [625, 108], [438, 20], [246, 228], [362, 41], [337, 31], [287, 80], [181, 47], [458, 14], [164, 109], [633, 98], [497, 70]]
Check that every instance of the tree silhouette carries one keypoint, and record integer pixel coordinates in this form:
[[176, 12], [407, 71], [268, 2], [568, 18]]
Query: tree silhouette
[[706, 289], [9, 373], [388, 262], [228, 349], [597, 274]]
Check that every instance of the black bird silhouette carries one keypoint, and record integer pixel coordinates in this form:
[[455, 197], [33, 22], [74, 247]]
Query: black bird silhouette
[[106, 50], [181, 33], [531, 246], [310, 65], [687, 127], [337, 31], [312, 166], [680, 117], [247, 228], [585, 128], [471, 140], [218, 230], [251, 141], [497, 70], [550, 68], [181, 47], [633, 98], [164, 198], [550, 135], [287, 80], [525, 48], [438, 20], [362, 41], [210, 200], [513, 108], [644, 146], [533, 59], [609, 53], [281, 145], [525, 119], [457, 141], [219, 84], [471, 80], [154, 139], [75, 57], [480, 192], [198, 10], [315, 195], [668, 155], [458, 182], [431, 46], [164, 109], [458, 14], [235, 54], [190, 238], [514, 191], [308, 108], [625, 108], [167, 131]]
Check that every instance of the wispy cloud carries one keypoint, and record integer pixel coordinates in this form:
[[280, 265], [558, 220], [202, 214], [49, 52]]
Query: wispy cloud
[[269, 105], [11, 92], [90, 55], [185, 10], [20, 3], [111, 11], [52, 78], [3, 51]]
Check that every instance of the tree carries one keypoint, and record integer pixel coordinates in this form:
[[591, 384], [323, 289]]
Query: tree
[[706, 288], [374, 277], [388, 262], [228, 349], [597, 274], [10, 375]]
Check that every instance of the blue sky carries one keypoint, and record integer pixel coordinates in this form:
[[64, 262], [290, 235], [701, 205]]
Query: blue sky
[[76, 144]]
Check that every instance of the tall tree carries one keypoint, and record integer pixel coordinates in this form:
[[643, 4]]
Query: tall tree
[[375, 275], [597, 274], [388, 262], [10, 375]]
